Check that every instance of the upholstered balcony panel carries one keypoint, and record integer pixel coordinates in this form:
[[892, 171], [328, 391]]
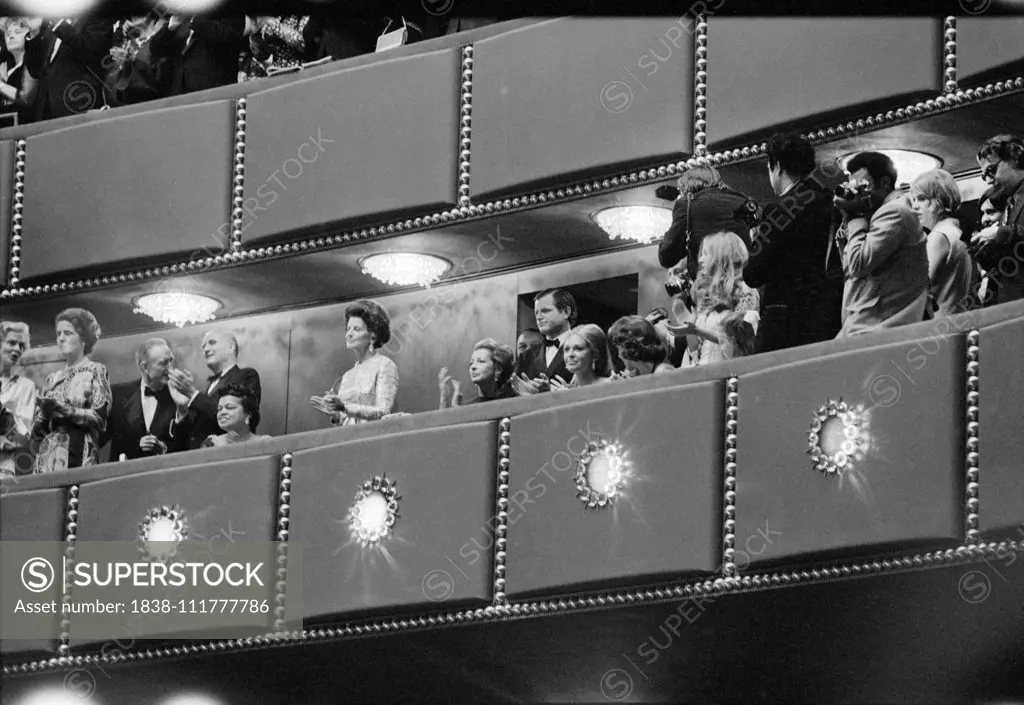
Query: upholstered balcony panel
[[902, 480], [133, 188], [1001, 418], [223, 502], [7, 149], [35, 515], [988, 48], [765, 72], [576, 94], [667, 519], [375, 139], [439, 552]]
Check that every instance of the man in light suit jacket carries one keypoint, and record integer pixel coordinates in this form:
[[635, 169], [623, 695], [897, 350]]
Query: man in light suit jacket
[[197, 407], [884, 251], [141, 411], [67, 58]]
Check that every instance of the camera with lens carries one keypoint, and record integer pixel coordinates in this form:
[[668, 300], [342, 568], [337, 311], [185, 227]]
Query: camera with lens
[[849, 190], [677, 285]]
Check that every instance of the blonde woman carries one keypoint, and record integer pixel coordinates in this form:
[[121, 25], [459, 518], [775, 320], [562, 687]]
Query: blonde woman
[[587, 357], [718, 291], [935, 197]]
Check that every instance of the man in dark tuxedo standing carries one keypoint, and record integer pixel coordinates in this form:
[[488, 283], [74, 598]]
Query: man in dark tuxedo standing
[[555, 311], [197, 408], [201, 52], [66, 57], [803, 296], [141, 411]]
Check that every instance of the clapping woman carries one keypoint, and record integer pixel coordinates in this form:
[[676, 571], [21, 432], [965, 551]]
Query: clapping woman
[[639, 346], [490, 368], [586, 357], [71, 411], [367, 391], [238, 415]]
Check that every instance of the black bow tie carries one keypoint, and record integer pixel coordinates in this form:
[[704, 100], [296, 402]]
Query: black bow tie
[[551, 343], [150, 392]]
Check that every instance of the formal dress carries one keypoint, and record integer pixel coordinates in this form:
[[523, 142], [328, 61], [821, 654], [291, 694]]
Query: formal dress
[[803, 290], [73, 441], [68, 59], [134, 413], [375, 383], [950, 287], [885, 261], [706, 212], [708, 352], [18, 397], [504, 392], [201, 420], [227, 440], [1003, 260]]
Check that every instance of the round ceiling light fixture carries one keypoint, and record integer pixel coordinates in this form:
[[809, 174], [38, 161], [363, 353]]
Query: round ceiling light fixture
[[405, 268], [643, 224], [178, 308], [909, 163]]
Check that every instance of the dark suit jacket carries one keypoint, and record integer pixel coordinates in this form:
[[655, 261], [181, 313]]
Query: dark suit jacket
[[557, 367], [342, 38], [210, 60], [712, 210], [201, 420], [802, 301], [1007, 255], [126, 424], [73, 82]]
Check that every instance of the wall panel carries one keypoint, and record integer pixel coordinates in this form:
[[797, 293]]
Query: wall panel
[[986, 46], [575, 94], [667, 520], [140, 187], [767, 71], [7, 149], [376, 138], [1001, 418], [903, 481], [445, 480]]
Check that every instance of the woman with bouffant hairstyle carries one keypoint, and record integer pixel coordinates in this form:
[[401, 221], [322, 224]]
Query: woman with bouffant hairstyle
[[367, 391], [238, 415], [72, 410], [639, 346]]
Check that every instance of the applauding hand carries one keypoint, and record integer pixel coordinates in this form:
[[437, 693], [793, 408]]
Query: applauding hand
[[523, 385], [559, 385]]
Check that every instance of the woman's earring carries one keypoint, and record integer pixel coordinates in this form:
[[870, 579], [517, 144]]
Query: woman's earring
[[246, 420]]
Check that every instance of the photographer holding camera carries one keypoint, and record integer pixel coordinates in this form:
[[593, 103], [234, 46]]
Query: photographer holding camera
[[883, 248]]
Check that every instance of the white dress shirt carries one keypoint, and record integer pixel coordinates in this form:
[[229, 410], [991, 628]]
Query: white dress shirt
[[149, 404], [550, 351]]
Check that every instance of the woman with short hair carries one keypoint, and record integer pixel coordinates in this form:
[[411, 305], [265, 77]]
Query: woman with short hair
[[367, 391], [639, 347], [71, 411], [935, 198], [238, 415], [490, 369]]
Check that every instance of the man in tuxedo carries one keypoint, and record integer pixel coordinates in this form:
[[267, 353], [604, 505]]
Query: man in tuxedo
[[66, 57], [802, 301], [1000, 247], [201, 52], [555, 311], [141, 411], [884, 251], [197, 408]]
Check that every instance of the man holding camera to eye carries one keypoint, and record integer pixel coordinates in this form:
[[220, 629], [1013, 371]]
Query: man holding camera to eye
[[883, 247]]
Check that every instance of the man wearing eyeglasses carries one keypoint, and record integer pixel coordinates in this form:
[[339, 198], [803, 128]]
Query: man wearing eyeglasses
[[1000, 248]]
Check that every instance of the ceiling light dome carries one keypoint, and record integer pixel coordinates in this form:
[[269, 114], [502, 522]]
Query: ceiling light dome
[[405, 268], [643, 224], [177, 307], [909, 164]]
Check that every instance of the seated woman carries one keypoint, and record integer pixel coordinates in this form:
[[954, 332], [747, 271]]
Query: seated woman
[[718, 291], [490, 368], [586, 357], [639, 347], [238, 415], [367, 391], [71, 411]]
